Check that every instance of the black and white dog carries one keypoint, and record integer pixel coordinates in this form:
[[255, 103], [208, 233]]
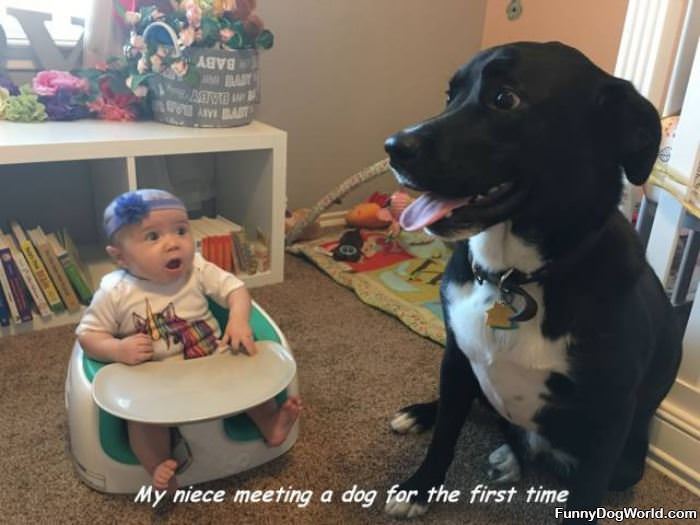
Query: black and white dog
[[552, 314]]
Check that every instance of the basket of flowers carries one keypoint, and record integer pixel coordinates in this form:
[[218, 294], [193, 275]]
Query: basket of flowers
[[198, 62]]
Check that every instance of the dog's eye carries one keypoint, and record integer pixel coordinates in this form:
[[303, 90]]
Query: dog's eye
[[506, 99], [448, 96]]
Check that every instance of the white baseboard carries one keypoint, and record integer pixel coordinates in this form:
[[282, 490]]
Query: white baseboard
[[675, 446]]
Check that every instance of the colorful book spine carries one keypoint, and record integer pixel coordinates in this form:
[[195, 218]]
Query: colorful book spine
[[38, 269], [72, 249], [228, 253], [249, 257], [80, 286], [30, 282], [9, 298], [16, 286], [4, 310], [235, 256], [245, 254], [71, 269], [58, 276], [221, 251]]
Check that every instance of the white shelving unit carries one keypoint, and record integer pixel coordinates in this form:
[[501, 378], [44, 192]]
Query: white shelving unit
[[60, 174]]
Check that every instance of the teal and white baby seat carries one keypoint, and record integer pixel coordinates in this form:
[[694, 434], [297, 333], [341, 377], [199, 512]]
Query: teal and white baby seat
[[203, 398]]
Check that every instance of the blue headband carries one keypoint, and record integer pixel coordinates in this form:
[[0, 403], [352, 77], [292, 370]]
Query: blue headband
[[132, 207]]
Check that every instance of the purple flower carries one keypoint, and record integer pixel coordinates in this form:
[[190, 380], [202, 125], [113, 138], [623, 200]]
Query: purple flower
[[8, 85], [64, 106]]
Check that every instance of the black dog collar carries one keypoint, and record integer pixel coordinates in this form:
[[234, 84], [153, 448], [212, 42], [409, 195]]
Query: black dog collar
[[509, 283]]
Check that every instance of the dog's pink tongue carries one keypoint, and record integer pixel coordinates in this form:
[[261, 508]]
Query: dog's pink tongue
[[428, 209]]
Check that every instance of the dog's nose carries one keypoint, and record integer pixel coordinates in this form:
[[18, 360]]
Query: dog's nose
[[403, 146]]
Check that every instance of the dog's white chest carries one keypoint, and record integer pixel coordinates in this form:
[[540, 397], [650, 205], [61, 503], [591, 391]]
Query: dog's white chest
[[511, 366]]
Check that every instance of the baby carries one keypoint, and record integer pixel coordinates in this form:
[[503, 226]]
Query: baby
[[155, 307]]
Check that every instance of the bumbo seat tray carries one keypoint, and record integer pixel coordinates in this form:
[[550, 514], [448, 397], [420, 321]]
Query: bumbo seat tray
[[175, 392]]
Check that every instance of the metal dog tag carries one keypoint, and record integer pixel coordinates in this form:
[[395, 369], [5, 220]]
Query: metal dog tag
[[498, 316]]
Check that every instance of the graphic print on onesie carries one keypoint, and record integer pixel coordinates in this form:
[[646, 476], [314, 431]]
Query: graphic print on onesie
[[174, 334]]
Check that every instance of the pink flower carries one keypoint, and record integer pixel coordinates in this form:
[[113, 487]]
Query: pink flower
[[179, 67], [156, 63], [46, 83], [187, 36], [132, 18], [142, 65], [110, 111], [193, 13], [226, 34], [113, 106], [137, 42]]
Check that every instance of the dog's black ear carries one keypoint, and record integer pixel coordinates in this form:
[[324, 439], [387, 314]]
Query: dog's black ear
[[632, 125]]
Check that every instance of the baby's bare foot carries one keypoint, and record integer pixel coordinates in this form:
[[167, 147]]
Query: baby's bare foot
[[163, 475], [284, 420]]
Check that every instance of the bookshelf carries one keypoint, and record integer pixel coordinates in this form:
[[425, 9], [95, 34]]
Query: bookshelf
[[60, 174]]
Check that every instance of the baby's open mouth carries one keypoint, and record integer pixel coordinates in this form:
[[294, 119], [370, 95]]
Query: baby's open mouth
[[173, 264]]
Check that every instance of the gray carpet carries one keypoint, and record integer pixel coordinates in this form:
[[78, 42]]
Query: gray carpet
[[356, 366]]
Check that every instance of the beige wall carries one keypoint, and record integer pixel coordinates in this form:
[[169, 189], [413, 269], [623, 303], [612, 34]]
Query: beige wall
[[345, 74], [594, 26]]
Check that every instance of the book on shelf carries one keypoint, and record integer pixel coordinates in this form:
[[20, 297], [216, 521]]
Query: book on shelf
[[4, 310], [13, 285], [232, 226], [244, 254], [230, 230], [70, 267], [55, 269], [214, 240], [38, 269], [9, 298], [30, 281], [70, 246], [261, 249]]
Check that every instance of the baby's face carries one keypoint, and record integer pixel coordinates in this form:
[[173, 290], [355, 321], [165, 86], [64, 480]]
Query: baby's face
[[159, 249]]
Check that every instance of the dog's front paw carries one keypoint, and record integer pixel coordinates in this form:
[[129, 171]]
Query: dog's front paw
[[405, 509], [504, 465], [414, 419], [403, 502]]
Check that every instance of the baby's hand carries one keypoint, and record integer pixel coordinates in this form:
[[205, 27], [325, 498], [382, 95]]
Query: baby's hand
[[238, 333], [136, 349]]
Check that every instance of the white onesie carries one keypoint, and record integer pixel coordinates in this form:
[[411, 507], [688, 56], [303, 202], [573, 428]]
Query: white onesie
[[176, 316]]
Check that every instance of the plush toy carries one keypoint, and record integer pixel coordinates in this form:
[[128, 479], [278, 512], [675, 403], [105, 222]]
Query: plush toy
[[333, 196], [309, 232], [366, 215], [380, 211]]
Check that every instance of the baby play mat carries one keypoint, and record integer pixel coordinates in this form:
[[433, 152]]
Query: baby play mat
[[177, 391], [399, 276]]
